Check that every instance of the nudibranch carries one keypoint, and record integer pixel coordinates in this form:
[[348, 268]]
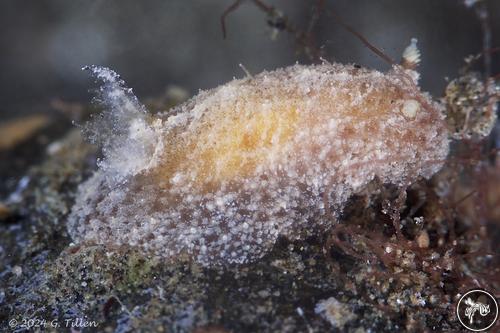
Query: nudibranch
[[221, 176]]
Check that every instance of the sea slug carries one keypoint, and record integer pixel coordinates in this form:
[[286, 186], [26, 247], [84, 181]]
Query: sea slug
[[221, 176]]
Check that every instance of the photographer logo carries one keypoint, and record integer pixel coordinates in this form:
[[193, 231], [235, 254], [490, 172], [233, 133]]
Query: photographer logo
[[477, 310]]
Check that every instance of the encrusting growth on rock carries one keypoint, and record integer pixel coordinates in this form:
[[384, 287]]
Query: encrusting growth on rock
[[221, 176]]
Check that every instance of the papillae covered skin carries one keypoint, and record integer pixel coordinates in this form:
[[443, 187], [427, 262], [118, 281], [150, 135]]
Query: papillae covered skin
[[221, 176]]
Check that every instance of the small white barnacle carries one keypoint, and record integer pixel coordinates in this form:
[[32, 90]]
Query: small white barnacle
[[227, 172], [410, 108]]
